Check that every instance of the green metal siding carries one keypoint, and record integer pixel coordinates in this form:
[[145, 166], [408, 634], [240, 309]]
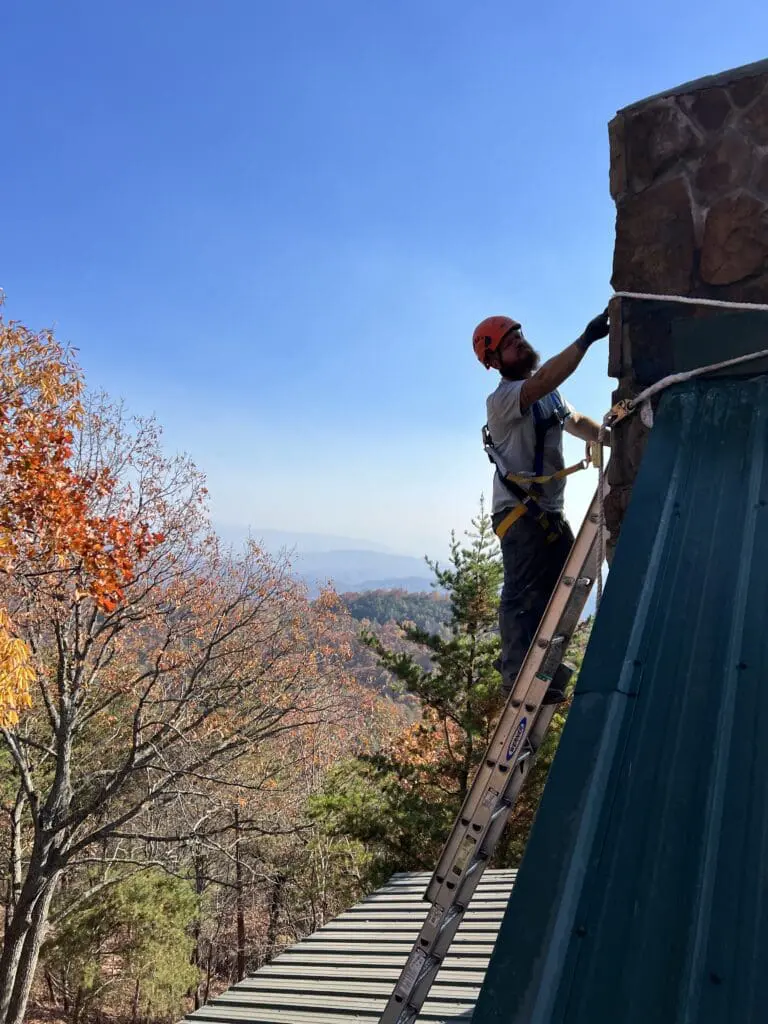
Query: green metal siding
[[643, 895]]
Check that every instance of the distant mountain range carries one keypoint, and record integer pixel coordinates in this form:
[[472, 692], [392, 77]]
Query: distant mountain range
[[362, 570], [278, 540], [347, 563]]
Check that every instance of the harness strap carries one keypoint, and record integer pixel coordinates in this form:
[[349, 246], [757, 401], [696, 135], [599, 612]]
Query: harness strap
[[509, 520], [527, 498], [542, 425], [528, 502], [551, 526], [521, 479]]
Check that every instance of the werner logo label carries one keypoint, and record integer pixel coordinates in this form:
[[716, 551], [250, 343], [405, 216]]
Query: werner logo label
[[516, 740]]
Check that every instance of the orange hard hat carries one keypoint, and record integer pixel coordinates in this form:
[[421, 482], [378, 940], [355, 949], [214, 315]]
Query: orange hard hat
[[489, 334]]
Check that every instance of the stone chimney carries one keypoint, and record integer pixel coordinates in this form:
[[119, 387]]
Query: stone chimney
[[689, 175]]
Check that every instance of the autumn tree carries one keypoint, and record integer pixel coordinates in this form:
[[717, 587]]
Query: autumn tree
[[150, 686], [47, 517], [262, 868]]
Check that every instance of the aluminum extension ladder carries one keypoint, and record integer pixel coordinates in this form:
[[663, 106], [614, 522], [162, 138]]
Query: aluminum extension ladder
[[516, 739]]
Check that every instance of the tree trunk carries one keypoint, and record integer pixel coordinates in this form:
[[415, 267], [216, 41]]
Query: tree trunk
[[196, 952], [239, 902], [274, 916], [14, 864], [21, 947], [208, 972], [51, 990], [135, 1007], [78, 1006]]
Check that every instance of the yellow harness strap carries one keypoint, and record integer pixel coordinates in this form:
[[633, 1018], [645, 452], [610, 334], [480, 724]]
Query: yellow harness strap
[[552, 529], [559, 475], [520, 510], [512, 516]]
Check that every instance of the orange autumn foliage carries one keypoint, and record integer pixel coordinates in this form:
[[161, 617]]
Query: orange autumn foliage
[[428, 748], [47, 523]]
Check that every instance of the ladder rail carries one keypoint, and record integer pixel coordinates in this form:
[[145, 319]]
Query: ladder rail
[[511, 753], [442, 923], [541, 661]]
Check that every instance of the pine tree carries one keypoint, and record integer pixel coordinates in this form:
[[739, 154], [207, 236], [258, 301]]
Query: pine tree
[[129, 945], [396, 808], [459, 691], [400, 803]]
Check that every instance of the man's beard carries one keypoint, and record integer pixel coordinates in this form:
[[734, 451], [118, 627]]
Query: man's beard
[[526, 363]]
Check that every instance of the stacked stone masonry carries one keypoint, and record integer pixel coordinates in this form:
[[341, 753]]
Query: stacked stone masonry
[[689, 175]]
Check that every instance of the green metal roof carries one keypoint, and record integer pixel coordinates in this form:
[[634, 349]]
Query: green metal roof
[[643, 895], [345, 972]]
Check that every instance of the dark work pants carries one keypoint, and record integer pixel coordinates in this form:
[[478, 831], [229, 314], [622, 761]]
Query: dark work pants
[[531, 570]]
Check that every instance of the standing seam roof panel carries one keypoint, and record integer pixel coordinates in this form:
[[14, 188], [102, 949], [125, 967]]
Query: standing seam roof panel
[[345, 972]]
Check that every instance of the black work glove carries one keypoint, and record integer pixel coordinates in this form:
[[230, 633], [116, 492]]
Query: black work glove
[[595, 329]]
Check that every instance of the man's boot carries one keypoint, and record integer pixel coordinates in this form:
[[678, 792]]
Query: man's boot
[[556, 690]]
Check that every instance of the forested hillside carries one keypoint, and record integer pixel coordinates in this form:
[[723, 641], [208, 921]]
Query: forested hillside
[[429, 611]]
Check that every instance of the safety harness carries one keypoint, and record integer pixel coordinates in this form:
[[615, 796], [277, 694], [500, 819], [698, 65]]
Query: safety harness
[[527, 498]]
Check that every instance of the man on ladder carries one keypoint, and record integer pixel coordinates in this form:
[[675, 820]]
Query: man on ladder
[[547, 580], [523, 437]]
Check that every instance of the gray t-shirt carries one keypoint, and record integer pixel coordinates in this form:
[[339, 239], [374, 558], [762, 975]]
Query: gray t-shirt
[[514, 437]]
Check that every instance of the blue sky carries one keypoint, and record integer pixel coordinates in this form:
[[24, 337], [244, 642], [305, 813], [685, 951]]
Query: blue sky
[[274, 224]]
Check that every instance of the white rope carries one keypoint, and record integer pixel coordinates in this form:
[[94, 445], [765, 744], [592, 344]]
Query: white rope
[[689, 300], [678, 378], [644, 396]]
